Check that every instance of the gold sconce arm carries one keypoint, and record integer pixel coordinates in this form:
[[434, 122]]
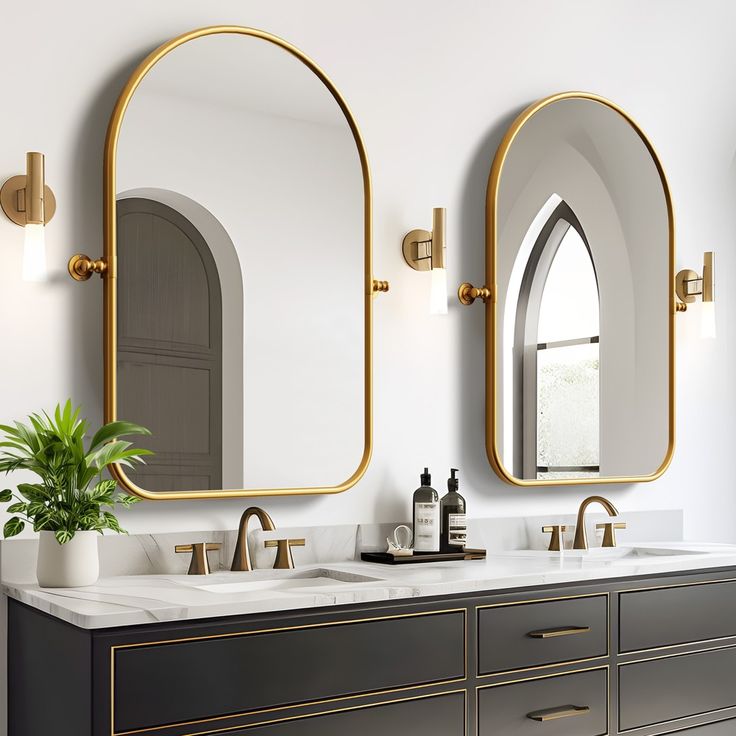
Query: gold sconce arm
[[424, 250], [467, 293], [81, 267], [690, 284], [26, 199]]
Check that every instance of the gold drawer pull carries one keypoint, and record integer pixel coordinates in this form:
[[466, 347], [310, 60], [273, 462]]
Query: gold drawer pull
[[564, 631], [563, 711]]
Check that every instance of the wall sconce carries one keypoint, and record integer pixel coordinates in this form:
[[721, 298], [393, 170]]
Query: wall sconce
[[689, 285], [425, 251], [28, 202]]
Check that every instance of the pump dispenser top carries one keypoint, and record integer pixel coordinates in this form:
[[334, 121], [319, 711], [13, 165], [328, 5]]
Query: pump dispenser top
[[452, 482]]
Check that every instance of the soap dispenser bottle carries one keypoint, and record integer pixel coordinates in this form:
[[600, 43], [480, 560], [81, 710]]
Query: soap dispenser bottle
[[426, 513], [454, 532]]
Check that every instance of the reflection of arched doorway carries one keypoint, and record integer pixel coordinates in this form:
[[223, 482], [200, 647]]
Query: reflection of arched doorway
[[170, 363], [556, 355]]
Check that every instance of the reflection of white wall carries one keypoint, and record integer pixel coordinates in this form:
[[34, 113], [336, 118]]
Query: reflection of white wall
[[593, 160], [289, 195]]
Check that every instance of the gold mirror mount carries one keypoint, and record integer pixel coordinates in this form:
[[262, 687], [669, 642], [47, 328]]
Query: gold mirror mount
[[467, 293], [81, 267], [380, 286]]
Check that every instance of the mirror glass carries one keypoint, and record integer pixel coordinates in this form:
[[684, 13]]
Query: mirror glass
[[582, 258], [242, 263]]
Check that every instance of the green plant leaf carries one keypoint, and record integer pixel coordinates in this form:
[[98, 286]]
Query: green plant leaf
[[6, 495], [33, 491], [127, 500], [13, 526], [63, 536], [102, 493], [114, 430], [17, 508]]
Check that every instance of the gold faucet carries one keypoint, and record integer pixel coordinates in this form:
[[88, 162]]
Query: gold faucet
[[581, 537], [241, 558]]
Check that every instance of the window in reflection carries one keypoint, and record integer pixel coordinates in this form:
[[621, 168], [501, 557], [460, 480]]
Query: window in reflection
[[558, 344]]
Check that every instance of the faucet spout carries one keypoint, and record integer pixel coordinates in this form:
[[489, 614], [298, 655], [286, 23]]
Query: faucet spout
[[581, 536], [241, 558]]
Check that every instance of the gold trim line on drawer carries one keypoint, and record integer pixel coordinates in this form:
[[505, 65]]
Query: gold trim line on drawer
[[680, 585], [547, 677], [137, 645], [565, 663], [634, 652], [343, 710], [660, 724], [491, 306], [110, 274], [705, 650]]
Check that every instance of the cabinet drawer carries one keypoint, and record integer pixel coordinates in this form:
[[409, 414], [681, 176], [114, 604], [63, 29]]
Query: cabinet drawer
[[571, 705], [204, 678], [437, 714], [664, 689], [523, 635], [677, 615]]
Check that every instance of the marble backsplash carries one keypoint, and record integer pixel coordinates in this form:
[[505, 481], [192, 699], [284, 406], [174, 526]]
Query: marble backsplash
[[148, 554]]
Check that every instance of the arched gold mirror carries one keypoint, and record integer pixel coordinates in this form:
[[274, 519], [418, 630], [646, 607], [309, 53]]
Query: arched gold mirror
[[237, 271], [580, 299]]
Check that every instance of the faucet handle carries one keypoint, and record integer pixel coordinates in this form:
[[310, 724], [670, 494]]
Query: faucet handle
[[284, 559], [556, 530], [609, 535], [200, 564]]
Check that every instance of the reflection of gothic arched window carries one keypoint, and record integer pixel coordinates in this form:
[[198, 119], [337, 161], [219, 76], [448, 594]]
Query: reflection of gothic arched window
[[556, 355]]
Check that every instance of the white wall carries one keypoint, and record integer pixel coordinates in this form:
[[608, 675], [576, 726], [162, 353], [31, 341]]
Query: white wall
[[432, 84]]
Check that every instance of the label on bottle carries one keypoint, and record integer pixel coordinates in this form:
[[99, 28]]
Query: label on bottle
[[457, 530], [427, 527]]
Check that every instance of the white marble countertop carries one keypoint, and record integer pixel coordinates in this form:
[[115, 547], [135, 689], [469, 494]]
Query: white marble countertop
[[141, 599]]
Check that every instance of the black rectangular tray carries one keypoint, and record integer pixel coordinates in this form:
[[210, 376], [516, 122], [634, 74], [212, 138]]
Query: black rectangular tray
[[385, 558]]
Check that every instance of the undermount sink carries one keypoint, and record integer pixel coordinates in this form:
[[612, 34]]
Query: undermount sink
[[286, 581], [601, 554]]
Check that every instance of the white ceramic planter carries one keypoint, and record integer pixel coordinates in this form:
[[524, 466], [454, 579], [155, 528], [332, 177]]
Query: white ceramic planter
[[69, 565]]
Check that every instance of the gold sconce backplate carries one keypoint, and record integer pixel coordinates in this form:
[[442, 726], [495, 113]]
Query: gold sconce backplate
[[12, 200], [411, 245], [681, 281]]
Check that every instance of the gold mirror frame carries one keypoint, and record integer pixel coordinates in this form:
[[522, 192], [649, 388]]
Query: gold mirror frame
[[109, 275], [492, 329]]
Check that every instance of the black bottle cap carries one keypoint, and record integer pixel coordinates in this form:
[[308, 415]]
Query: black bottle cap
[[425, 478], [452, 482]]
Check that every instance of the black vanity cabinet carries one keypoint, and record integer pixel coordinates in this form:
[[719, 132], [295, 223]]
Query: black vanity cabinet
[[637, 655]]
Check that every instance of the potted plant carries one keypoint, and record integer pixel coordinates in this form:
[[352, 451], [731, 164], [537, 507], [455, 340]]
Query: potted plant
[[70, 504]]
